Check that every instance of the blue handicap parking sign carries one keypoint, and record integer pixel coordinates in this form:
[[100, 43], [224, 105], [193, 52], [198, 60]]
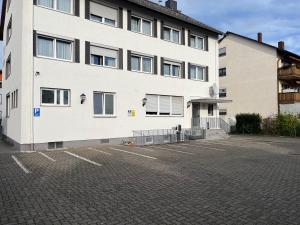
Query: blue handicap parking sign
[[36, 112]]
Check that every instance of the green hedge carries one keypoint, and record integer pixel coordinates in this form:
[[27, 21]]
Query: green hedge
[[248, 123]]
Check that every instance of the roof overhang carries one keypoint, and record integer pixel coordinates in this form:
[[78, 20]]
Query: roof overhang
[[210, 100]]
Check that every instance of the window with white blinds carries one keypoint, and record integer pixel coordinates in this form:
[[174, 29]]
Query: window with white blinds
[[103, 14], [162, 105]]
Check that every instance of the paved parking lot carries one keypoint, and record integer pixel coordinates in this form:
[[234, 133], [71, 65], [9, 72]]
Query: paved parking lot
[[242, 180]]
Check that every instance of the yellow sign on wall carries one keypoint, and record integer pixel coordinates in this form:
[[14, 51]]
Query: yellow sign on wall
[[132, 113]]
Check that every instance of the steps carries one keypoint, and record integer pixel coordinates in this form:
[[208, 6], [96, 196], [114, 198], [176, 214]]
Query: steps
[[215, 134]]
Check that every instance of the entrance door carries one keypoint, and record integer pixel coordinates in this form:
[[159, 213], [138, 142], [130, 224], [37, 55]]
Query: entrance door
[[196, 115]]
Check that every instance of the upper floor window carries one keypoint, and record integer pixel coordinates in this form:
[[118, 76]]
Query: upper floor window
[[223, 93], [197, 72], [104, 104], [101, 56], [54, 48], [141, 63], [197, 42], [222, 52], [223, 112], [172, 69], [14, 102], [141, 25], [60, 5], [55, 97], [222, 72], [9, 30], [103, 14], [171, 34], [8, 67], [8, 4]]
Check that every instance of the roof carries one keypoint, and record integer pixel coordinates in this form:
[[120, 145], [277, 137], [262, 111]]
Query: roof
[[173, 13], [147, 4], [281, 52]]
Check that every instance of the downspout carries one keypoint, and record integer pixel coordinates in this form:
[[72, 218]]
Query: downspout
[[33, 76], [278, 105]]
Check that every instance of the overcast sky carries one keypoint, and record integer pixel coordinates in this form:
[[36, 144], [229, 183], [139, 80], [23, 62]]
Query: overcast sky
[[277, 19]]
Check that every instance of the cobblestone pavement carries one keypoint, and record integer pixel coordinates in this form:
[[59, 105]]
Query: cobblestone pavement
[[242, 180]]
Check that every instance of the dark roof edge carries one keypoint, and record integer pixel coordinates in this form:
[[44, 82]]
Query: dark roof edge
[[2, 19], [175, 14], [279, 51]]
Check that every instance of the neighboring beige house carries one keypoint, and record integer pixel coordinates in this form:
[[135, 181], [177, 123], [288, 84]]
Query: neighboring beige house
[[257, 77]]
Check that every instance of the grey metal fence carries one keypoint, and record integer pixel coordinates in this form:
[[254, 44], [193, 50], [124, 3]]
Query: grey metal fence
[[164, 136]]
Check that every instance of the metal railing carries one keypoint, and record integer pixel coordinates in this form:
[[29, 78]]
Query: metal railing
[[210, 123], [164, 136]]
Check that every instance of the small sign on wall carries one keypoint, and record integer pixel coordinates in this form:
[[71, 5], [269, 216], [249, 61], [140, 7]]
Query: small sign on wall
[[37, 112], [132, 113]]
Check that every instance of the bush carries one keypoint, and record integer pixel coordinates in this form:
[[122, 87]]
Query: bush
[[283, 124], [248, 123]]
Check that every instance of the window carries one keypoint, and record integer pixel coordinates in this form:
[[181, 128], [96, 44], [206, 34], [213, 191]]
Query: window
[[222, 72], [7, 105], [54, 48], [141, 63], [171, 34], [103, 14], [8, 4], [8, 67], [197, 72], [223, 93], [223, 112], [141, 25], [210, 109], [172, 69], [0, 84], [9, 30], [55, 97], [0, 100], [164, 105], [222, 52], [60, 5], [197, 42], [14, 99], [101, 56], [104, 104]]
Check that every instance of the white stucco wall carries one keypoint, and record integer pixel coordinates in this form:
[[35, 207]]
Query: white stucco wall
[[77, 122], [251, 79]]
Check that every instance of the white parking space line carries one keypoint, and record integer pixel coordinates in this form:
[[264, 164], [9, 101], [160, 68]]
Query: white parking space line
[[206, 147], [97, 150], [20, 164], [146, 149], [46, 156], [177, 146], [223, 143], [85, 159], [172, 150], [132, 153]]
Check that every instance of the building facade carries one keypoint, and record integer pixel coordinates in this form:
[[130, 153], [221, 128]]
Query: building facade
[[83, 72], [257, 77]]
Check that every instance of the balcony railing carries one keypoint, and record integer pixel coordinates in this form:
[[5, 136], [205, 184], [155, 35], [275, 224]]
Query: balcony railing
[[289, 98], [289, 73]]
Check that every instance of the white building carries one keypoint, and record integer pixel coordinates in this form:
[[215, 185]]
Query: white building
[[95, 71], [258, 77]]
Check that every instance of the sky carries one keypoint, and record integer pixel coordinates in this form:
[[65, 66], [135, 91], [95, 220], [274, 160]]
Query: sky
[[278, 20]]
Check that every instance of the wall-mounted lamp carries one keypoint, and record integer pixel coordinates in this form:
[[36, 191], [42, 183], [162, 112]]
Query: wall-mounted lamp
[[145, 101], [37, 73], [189, 103], [82, 98]]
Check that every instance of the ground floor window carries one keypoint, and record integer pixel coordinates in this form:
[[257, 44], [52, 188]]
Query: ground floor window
[[164, 105], [210, 109], [223, 112], [104, 104], [55, 97], [7, 105]]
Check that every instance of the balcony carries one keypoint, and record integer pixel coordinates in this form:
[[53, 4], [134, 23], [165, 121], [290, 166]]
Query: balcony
[[289, 98], [289, 73]]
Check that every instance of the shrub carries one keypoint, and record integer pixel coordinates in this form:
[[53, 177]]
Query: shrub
[[287, 124], [270, 126], [248, 123]]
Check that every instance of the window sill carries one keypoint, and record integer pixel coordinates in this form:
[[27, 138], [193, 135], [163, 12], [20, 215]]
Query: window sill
[[51, 106], [108, 67], [147, 35], [103, 116], [55, 59], [55, 10], [165, 116], [201, 49], [173, 42], [197, 80], [115, 26], [136, 71], [174, 77]]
